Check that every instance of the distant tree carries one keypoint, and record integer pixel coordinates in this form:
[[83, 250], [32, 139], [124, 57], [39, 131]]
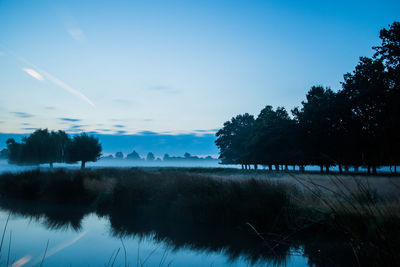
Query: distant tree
[[119, 155], [84, 148], [232, 140], [14, 151], [166, 157], [39, 147], [187, 155], [133, 156], [150, 156], [4, 153]]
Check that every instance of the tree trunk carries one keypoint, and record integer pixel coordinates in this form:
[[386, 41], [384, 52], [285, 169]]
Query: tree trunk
[[322, 168], [276, 167], [395, 169], [83, 164], [286, 167], [326, 168], [255, 166], [301, 168], [294, 167], [340, 169], [346, 168], [355, 168], [369, 169], [374, 169], [51, 165], [270, 167]]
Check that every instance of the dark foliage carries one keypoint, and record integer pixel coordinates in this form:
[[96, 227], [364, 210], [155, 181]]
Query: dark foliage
[[356, 126]]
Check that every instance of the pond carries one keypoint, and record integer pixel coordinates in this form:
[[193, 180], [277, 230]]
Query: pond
[[95, 241]]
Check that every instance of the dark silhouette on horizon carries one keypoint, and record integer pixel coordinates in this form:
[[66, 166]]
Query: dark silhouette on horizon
[[356, 126], [43, 146]]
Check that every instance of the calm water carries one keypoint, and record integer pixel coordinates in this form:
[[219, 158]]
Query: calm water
[[94, 241]]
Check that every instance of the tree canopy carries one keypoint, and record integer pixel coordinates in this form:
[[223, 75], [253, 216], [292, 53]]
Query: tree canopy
[[355, 126], [84, 148]]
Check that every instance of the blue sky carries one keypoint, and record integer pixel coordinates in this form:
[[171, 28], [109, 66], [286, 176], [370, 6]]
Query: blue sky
[[172, 67]]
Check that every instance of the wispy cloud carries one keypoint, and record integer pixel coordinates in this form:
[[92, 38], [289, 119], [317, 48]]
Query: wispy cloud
[[69, 119], [76, 126], [119, 126], [67, 87], [72, 26], [22, 114], [148, 133], [77, 34], [163, 89], [22, 261], [41, 75], [125, 102], [49, 108], [34, 74]]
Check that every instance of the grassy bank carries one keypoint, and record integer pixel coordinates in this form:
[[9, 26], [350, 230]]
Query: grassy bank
[[363, 213]]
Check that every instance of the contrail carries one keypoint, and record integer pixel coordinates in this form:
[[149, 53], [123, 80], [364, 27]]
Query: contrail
[[67, 87], [34, 74], [38, 74]]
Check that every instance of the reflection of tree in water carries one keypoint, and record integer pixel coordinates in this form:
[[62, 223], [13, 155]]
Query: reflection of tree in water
[[234, 243], [322, 247], [54, 217]]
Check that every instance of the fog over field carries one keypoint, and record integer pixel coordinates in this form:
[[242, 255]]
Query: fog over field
[[159, 144]]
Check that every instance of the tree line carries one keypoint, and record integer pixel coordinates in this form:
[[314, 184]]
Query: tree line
[[151, 157], [44, 146], [355, 126]]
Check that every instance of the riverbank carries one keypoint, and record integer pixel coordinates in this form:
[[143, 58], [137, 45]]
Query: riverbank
[[363, 212]]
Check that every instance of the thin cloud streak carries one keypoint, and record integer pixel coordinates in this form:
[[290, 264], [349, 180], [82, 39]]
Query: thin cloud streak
[[67, 88], [51, 78], [22, 261], [34, 74]]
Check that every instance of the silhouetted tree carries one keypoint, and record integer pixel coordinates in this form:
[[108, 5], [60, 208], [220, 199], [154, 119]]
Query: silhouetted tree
[[150, 156], [232, 140], [358, 125], [119, 155], [4, 153], [84, 148], [39, 147], [316, 120], [133, 156], [366, 92], [14, 151], [270, 142]]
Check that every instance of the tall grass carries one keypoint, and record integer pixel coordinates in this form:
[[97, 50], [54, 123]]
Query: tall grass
[[199, 203]]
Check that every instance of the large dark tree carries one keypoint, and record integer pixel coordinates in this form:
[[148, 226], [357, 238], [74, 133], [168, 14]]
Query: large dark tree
[[84, 148], [232, 140], [389, 53], [40, 147], [316, 120], [365, 93], [270, 142]]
